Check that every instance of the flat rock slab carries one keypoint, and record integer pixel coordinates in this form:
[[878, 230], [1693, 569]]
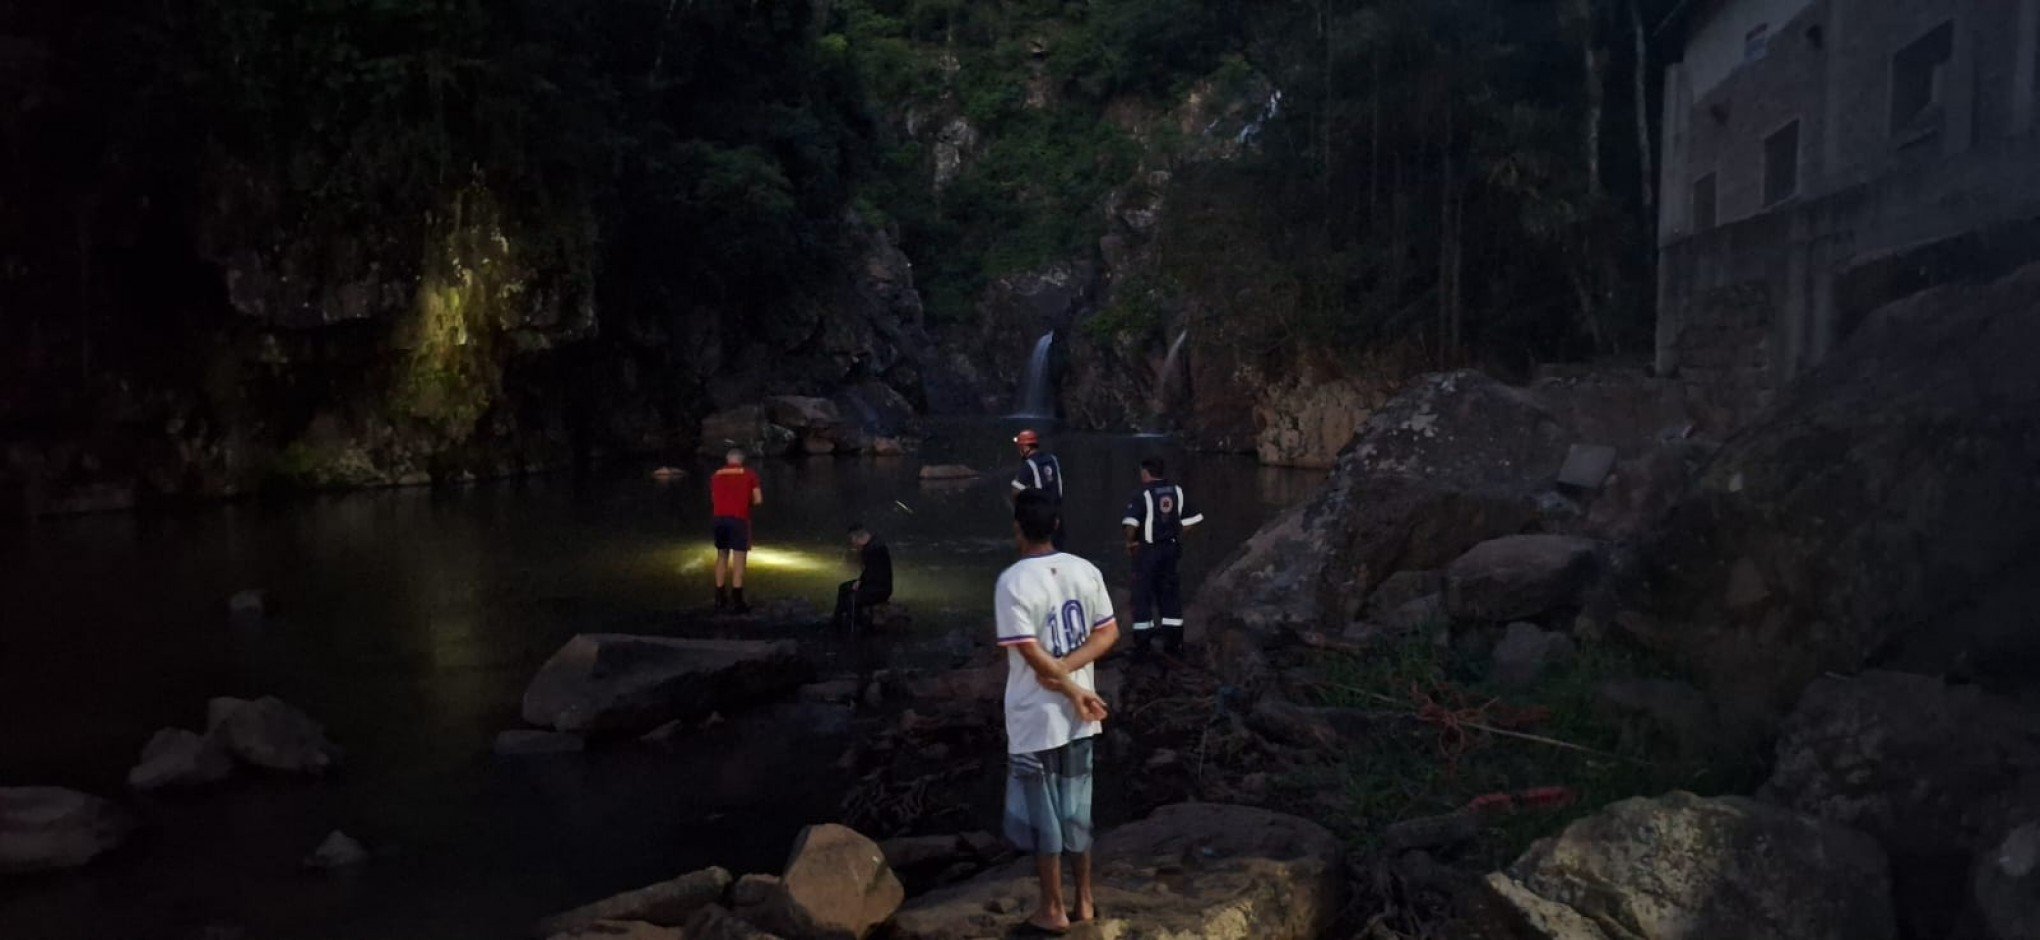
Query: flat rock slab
[[1206, 870], [613, 682]]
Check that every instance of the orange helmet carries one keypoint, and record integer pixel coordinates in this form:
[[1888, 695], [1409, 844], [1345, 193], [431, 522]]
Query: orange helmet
[[1027, 438]]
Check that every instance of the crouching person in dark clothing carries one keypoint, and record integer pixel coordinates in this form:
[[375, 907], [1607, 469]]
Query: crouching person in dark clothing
[[855, 599]]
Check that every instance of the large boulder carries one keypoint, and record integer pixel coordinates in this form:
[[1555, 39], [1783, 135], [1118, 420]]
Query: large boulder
[[1680, 867], [1880, 515], [175, 757], [1517, 576], [1449, 463], [271, 734], [837, 886], [748, 427], [47, 828], [1207, 870], [666, 904], [1930, 769], [612, 682]]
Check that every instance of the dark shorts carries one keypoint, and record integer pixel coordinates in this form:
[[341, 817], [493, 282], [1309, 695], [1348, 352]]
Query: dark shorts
[[1048, 800], [732, 534]]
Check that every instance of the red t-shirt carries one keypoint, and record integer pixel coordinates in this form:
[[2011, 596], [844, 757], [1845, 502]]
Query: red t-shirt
[[731, 488]]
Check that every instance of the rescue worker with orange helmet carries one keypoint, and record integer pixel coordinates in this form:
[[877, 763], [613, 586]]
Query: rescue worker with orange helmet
[[1039, 470]]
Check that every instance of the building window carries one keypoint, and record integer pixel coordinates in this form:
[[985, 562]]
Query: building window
[[1918, 74], [1781, 164], [1756, 43], [1703, 203]]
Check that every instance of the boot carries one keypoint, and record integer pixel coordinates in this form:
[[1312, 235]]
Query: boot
[[739, 606], [722, 598]]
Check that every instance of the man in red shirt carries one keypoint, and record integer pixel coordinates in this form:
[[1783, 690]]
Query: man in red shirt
[[734, 490]]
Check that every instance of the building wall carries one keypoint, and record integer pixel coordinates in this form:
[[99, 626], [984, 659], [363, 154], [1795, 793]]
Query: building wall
[[1771, 287]]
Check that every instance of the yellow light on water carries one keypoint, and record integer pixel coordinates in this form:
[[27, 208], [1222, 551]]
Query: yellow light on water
[[701, 557]]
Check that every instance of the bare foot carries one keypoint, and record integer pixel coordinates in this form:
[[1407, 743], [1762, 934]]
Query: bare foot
[[1057, 923], [1087, 911]]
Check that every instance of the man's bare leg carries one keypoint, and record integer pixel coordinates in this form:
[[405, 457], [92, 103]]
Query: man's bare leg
[[1051, 915], [737, 560], [722, 568], [1086, 908]]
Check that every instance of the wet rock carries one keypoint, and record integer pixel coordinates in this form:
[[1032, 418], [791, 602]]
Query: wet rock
[[665, 904], [1518, 576], [746, 427], [1235, 872], [803, 414], [1680, 867], [622, 930], [888, 447], [837, 886], [611, 682], [271, 734], [948, 471], [338, 850], [1526, 652], [521, 742], [48, 828], [715, 922], [175, 757]]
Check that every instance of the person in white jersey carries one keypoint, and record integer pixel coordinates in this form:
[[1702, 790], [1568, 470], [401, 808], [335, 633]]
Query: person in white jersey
[[1054, 620]]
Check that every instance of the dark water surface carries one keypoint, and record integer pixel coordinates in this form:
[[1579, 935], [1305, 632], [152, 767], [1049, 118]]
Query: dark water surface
[[409, 621]]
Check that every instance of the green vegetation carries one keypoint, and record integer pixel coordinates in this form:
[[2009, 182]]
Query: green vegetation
[[1413, 769]]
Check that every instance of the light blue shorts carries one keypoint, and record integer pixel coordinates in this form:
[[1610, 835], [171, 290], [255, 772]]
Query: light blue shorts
[[1048, 800]]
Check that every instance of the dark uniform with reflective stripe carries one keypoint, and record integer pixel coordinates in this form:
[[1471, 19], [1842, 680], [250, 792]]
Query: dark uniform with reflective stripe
[[1156, 518], [1041, 470]]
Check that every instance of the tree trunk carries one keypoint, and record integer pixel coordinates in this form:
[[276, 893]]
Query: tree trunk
[[1325, 130], [1374, 148], [659, 44], [1578, 18], [1648, 171], [1445, 236]]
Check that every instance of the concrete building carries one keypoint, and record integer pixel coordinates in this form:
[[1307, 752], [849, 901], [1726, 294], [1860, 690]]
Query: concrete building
[[1823, 157]]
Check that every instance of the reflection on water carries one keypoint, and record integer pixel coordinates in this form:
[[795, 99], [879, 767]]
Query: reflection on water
[[409, 621]]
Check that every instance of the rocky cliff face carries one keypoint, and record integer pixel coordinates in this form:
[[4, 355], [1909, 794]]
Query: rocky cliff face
[[471, 343], [1115, 330]]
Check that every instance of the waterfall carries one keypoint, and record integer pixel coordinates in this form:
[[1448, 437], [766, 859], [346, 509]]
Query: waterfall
[[1269, 110], [1034, 400], [1161, 399]]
